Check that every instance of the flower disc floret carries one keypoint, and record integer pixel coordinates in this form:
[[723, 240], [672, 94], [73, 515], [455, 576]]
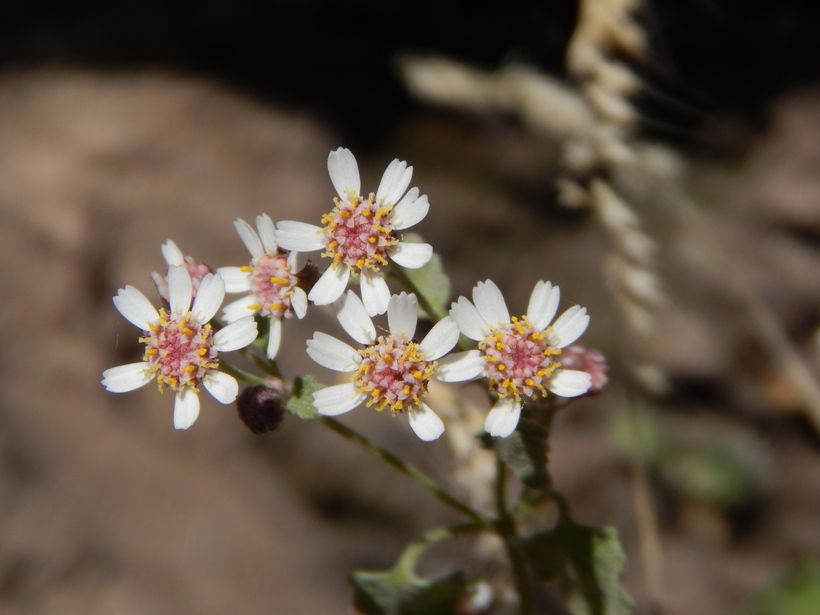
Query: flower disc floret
[[518, 360], [393, 372], [179, 351], [272, 283], [358, 232]]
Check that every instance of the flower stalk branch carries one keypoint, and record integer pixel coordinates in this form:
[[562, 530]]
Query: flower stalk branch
[[408, 470]]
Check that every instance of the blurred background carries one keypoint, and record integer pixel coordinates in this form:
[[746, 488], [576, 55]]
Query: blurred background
[[123, 125]]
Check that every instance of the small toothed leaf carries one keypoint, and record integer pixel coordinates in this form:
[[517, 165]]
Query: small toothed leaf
[[393, 593], [300, 401]]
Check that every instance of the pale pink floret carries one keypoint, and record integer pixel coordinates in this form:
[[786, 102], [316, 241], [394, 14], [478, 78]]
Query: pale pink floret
[[181, 347], [521, 356], [360, 233], [391, 371], [175, 258], [271, 281]]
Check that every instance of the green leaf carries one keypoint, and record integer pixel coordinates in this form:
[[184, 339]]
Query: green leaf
[[525, 453], [431, 281], [396, 593], [300, 401], [796, 594], [598, 562]]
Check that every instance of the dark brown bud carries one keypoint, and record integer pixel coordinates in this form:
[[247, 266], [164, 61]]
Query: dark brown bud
[[308, 276], [260, 408]]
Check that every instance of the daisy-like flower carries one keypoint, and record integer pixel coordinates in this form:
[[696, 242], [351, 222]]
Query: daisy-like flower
[[175, 258], [391, 371], [271, 281], [181, 348], [360, 233], [521, 356]]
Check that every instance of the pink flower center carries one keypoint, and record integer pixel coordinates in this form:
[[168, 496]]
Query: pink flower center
[[394, 374], [358, 232], [179, 350], [518, 359], [272, 283]]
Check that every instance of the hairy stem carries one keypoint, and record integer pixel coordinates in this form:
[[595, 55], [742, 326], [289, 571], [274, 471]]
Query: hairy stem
[[408, 470], [508, 532]]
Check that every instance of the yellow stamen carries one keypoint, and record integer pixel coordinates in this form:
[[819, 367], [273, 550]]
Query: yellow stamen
[[278, 281], [247, 269], [255, 306]]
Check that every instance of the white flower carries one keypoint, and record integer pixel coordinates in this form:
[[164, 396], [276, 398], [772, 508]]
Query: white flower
[[181, 348], [391, 371], [521, 355], [175, 258], [270, 281], [360, 233]]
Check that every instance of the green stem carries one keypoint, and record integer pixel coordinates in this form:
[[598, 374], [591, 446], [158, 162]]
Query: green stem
[[408, 470], [229, 369], [508, 532], [406, 562]]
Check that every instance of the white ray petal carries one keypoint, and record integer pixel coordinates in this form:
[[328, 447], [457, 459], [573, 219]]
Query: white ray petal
[[411, 255], [239, 309], [186, 408], [136, 309], [394, 182], [569, 326], [354, 318], [124, 378], [460, 366], [236, 335], [569, 383], [426, 423], [299, 236], [208, 298], [180, 289], [332, 353], [267, 233], [490, 303], [503, 418], [249, 238], [236, 280], [375, 293], [330, 286], [274, 337], [172, 254], [299, 302], [344, 172], [411, 210], [440, 340], [403, 315], [468, 319], [543, 304], [297, 261], [337, 399], [223, 387]]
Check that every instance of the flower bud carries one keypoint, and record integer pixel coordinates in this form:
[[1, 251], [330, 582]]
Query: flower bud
[[260, 408], [589, 360]]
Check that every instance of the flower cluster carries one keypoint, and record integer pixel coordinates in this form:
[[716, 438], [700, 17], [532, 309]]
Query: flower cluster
[[520, 357]]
